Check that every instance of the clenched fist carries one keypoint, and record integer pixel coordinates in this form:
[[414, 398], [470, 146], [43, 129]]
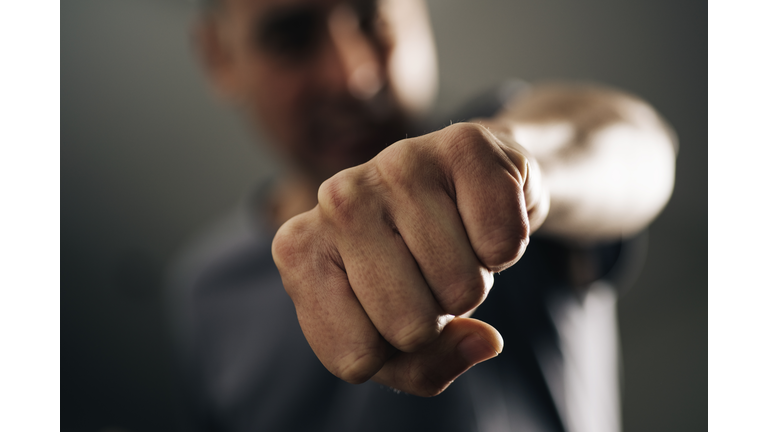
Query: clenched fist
[[397, 249]]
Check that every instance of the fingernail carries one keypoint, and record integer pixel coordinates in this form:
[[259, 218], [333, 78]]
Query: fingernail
[[475, 349]]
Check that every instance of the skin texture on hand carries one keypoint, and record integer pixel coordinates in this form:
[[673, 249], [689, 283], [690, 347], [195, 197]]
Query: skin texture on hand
[[400, 246]]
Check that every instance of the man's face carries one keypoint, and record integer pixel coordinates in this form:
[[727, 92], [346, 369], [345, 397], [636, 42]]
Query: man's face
[[331, 81]]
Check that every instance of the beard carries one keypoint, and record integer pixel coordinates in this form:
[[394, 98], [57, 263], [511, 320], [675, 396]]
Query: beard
[[345, 132]]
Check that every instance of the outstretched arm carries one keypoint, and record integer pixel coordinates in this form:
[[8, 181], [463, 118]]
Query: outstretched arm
[[400, 247], [607, 158]]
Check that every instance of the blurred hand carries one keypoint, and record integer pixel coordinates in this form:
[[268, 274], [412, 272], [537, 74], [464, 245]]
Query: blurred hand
[[401, 246]]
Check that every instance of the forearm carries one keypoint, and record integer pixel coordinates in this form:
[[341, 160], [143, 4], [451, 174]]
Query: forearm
[[607, 158]]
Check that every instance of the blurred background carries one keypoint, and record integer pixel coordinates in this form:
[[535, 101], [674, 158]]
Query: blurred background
[[149, 158]]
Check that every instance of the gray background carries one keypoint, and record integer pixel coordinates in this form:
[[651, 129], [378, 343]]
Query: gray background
[[148, 158]]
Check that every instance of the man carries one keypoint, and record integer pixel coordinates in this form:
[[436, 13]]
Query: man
[[388, 245]]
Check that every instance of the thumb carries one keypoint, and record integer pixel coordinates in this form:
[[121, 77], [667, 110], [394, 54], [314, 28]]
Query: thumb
[[463, 343]]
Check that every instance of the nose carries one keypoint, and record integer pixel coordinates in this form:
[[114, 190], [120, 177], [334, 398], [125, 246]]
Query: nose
[[352, 64]]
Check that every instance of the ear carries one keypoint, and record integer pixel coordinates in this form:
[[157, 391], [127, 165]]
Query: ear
[[216, 56]]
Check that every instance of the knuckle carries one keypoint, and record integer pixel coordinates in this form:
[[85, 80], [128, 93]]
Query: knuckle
[[465, 293], [358, 366], [498, 254], [397, 166], [468, 137], [475, 147], [287, 243], [415, 335], [469, 146], [338, 197], [302, 252], [467, 130], [518, 165]]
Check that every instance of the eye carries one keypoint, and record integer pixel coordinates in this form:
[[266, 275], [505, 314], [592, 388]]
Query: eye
[[291, 33]]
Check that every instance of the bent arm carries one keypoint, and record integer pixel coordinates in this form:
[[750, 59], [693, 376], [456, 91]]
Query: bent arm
[[607, 158]]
